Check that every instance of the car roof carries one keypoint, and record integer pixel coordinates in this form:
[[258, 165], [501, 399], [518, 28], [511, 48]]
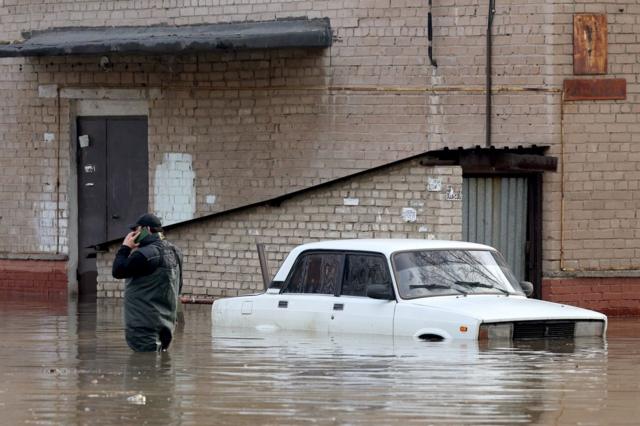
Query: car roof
[[383, 246], [389, 246]]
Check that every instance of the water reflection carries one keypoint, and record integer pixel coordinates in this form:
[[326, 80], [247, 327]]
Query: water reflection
[[69, 364], [407, 379]]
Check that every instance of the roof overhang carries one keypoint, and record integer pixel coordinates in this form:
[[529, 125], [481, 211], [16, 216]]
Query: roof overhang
[[506, 160], [173, 40]]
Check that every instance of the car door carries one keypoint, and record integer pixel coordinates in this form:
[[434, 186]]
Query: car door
[[309, 292], [353, 311]]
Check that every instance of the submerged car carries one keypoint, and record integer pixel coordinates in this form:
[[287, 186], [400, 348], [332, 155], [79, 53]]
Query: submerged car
[[425, 289]]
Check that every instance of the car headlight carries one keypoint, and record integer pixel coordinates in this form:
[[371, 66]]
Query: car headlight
[[495, 331], [589, 329]]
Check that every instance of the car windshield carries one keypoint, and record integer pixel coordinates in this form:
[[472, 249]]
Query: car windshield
[[427, 273]]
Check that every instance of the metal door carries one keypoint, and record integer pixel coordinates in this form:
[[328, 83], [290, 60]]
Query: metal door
[[495, 213], [128, 177], [112, 185]]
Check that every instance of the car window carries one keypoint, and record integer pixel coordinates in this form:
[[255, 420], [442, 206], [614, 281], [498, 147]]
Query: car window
[[423, 273], [362, 270], [315, 273]]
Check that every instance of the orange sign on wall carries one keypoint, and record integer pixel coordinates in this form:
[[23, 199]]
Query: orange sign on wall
[[589, 44]]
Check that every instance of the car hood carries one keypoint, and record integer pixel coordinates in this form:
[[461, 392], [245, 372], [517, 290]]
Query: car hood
[[497, 308]]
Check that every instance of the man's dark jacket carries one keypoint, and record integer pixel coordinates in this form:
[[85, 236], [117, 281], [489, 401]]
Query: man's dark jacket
[[153, 283]]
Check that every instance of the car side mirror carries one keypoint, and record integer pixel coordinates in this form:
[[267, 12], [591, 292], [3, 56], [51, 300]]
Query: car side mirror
[[380, 291], [527, 287]]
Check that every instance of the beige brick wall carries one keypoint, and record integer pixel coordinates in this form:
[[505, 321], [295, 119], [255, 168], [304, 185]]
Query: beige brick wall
[[256, 124], [219, 253], [34, 165], [525, 34], [597, 229], [282, 120]]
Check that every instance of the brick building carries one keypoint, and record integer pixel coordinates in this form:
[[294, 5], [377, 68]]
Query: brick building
[[254, 112]]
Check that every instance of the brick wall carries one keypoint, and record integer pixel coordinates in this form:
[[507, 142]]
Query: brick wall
[[596, 231], [34, 166], [612, 296], [282, 120], [33, 277], [526, 76], [219, 253], [276, 120], [266, 119]]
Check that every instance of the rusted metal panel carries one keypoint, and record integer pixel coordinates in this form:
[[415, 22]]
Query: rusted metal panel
[[589, 44], [595, 90]]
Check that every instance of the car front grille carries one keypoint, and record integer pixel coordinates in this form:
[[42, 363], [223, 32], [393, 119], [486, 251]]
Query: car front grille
[[543, 329]]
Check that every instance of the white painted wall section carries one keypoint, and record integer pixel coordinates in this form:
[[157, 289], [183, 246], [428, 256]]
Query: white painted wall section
[[174, 188], [46, 223]]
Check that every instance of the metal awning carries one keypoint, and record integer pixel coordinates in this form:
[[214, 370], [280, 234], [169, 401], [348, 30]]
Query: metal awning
[[531, 159], [173, 40]]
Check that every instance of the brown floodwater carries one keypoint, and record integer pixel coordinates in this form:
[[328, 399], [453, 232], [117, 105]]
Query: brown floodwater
[[68, 363]]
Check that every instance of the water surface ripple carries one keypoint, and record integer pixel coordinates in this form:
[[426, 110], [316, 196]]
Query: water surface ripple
[[67, 363]]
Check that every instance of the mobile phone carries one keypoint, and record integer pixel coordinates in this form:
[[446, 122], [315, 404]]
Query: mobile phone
[[144, 231]]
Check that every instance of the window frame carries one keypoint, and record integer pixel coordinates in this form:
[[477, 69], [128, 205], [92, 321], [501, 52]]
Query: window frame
[[365, 253], [342, 270], [395, 275], [302, 257]]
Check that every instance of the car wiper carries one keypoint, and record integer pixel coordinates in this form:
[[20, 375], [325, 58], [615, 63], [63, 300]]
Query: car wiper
[[479, 284], [434, 286], [429, 286]]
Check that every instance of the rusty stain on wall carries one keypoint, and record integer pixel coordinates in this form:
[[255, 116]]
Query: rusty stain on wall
[[589, 44], [581, 89]]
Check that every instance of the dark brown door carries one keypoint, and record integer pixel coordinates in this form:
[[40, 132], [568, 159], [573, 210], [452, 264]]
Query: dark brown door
[[113, 171]]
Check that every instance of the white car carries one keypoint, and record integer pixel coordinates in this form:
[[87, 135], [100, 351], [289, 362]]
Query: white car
[[425, 289]]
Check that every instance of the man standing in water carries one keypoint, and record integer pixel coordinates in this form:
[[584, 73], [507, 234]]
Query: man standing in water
[[152, 268]]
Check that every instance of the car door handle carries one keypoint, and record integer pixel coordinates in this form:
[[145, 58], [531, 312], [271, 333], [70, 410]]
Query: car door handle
[[338, 306], [283, 304], [115, 216]]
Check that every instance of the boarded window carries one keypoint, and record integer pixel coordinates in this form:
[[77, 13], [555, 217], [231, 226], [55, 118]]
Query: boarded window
[[315, 273], [362, 270]]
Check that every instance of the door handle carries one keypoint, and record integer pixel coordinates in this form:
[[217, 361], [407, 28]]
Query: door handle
[[115, 216], [338, 306]]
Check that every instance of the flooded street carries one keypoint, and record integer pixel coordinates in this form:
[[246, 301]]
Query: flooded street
[[69, 364]]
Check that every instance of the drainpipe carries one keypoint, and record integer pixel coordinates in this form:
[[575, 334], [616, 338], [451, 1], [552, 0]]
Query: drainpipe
[[58, 147], [488, 89], [430, 37]]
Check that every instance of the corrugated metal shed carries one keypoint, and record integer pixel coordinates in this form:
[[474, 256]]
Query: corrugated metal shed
[[494, 213]]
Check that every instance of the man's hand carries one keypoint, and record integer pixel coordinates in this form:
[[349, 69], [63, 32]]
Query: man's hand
[[129, 240]]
